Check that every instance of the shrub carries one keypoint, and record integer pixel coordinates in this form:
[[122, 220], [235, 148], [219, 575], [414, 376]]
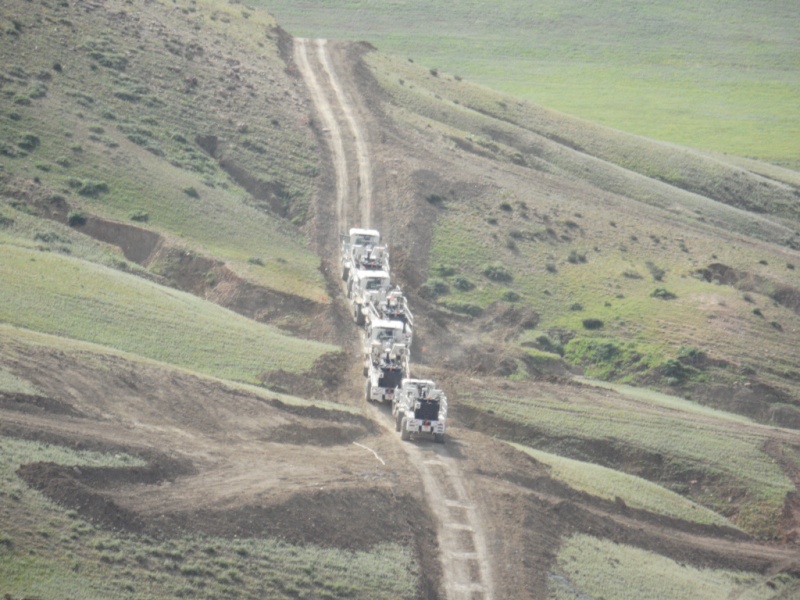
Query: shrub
[[691, 355], [506, 207], [576, 257], [254, 260], [631, 274], [549, 345], [463, 284], [191, 192], [497, 272], [76, 217], [593, 324], [511, 296], [662, 294], [465, 308], [757, 312], [138, 215], [551, 267], [576, 307], [434, 288], [656, 271], [29, 142], [674, 370], [92, 189], [443, 270], [435, 199]]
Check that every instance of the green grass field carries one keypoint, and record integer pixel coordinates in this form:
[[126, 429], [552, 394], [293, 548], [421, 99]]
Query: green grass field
[[590, 567], [67, 297], [721, 76]]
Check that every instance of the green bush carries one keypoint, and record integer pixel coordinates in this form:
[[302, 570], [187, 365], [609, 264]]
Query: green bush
[[656, 271], [497, 272], [76, 217], [576, 257], [662, 294], [191, 192], [464, 308], [547, 344], [463, 284], [29, 142], [593, 324], [434, 288], [511, 296], [444, 270], [139, 215]]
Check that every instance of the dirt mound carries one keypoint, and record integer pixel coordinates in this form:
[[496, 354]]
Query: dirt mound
[[351, 518], [322, 380], [36, 404], [63, 486], [325, 435]]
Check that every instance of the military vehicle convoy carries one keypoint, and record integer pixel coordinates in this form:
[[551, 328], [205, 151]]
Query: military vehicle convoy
[[419, 407]]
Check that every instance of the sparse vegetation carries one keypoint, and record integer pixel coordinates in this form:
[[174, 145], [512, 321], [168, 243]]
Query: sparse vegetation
[[76, 218], [497, 272]]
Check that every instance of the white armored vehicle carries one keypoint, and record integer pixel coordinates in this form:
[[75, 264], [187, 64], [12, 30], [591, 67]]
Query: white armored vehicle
[[362, 250], [394, 307], [385, 370], [365, 288], [419, 406], [386, 359]]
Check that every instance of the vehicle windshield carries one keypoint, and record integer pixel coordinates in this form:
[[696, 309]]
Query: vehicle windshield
[[374, 283], [385, 335], [365, 240]]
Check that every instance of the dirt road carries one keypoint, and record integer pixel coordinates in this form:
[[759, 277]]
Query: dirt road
[[463, 555]]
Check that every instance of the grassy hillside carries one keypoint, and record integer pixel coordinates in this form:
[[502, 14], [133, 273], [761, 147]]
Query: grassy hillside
[[721, 75], [195, 139], [644, 262], [71, 298], [715, 461]]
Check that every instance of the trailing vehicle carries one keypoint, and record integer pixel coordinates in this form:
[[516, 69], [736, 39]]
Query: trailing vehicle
[[418, 407]]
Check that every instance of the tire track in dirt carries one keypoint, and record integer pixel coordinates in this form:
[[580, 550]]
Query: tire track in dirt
[[331, 123], [462, 543], [364, 182]]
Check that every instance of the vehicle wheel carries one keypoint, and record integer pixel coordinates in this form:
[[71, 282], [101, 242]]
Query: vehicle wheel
[[358, 315], [368, 391], [366, 371], [345, 273], [405, 434], [438, 438], [398, 421]]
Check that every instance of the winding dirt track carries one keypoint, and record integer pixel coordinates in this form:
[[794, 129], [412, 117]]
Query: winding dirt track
[[462, 543]]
